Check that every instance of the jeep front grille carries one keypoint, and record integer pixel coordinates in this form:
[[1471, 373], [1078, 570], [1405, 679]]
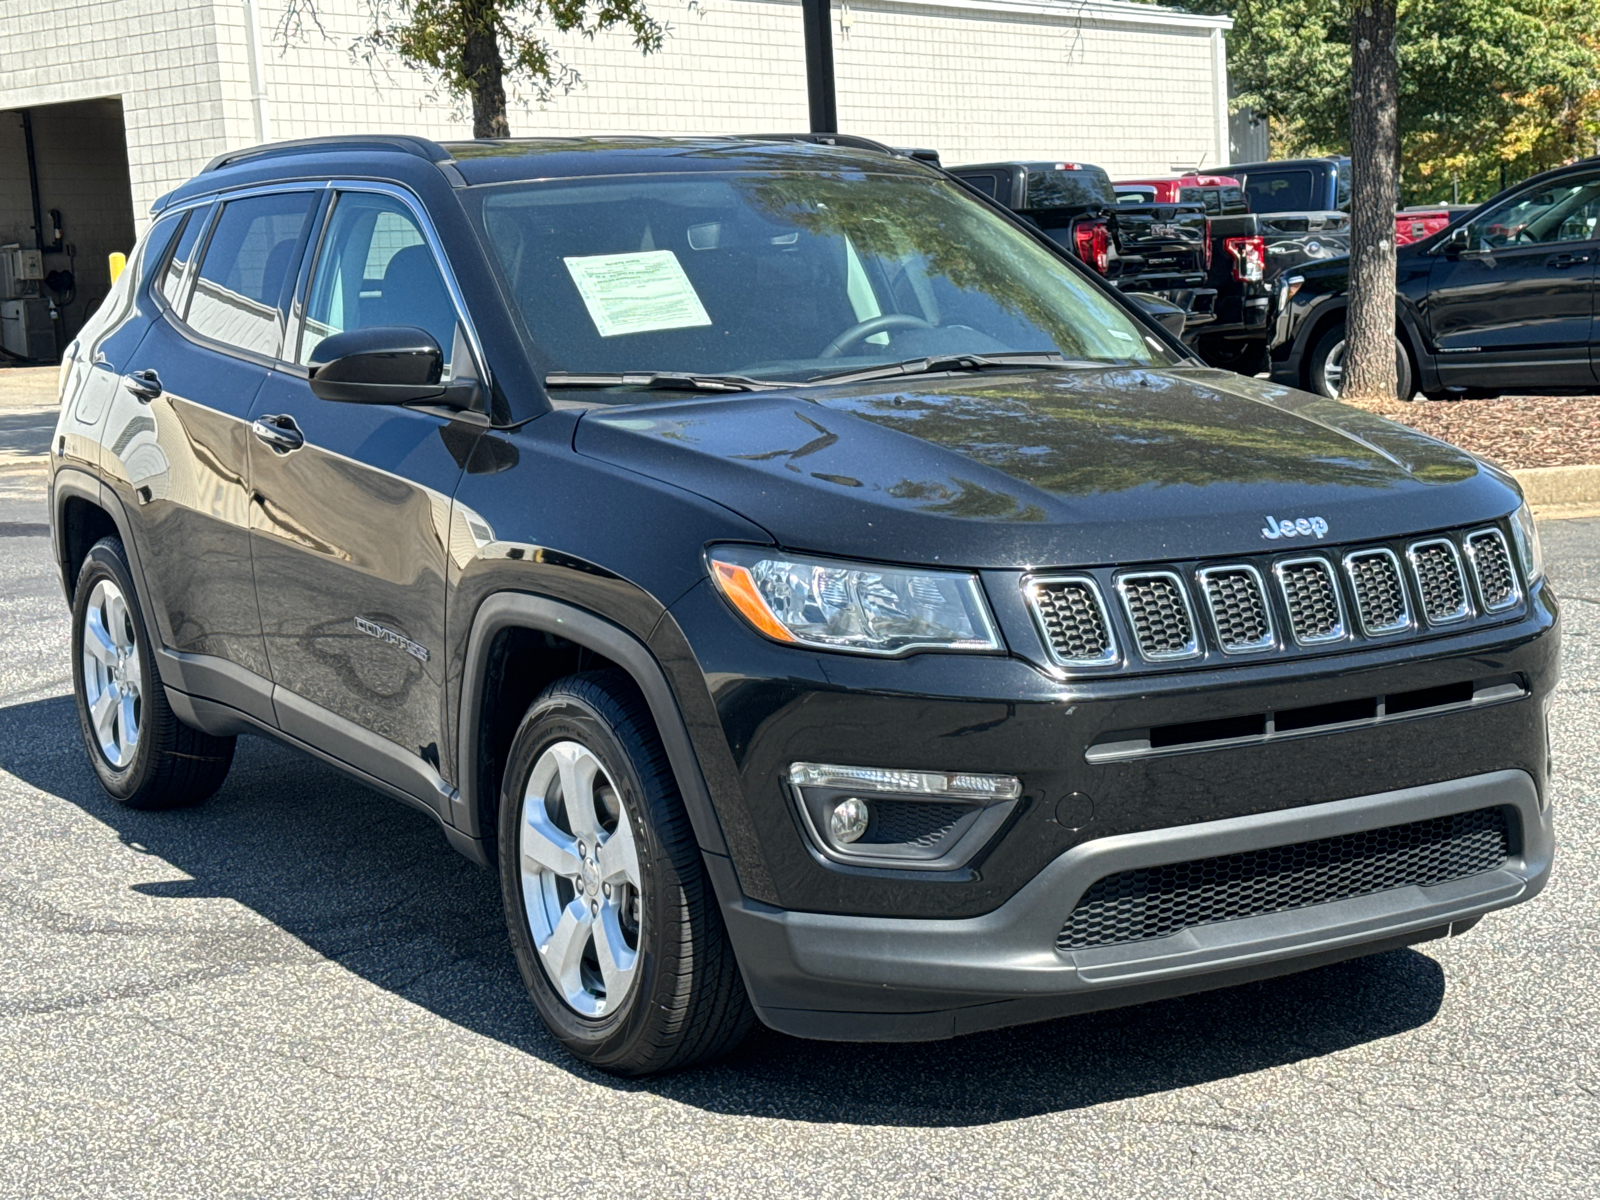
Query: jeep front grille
[[1439, 581], [1158, 609], [1491, 567], [1238, 608], [1153, 902], [1311, 594], [1380, 592], [1072, 618]]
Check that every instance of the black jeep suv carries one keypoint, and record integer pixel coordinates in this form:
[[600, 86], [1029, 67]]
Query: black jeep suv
[[819, 597]]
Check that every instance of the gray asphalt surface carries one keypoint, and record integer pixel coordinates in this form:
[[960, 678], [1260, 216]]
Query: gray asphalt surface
[[298, 990]]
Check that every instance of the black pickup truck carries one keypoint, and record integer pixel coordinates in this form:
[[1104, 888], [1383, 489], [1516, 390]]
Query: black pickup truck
[[1211, 267], [1302, 206], [1160, 248]]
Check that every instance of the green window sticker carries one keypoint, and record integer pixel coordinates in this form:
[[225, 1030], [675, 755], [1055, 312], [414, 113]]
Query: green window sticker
[[636, 293]]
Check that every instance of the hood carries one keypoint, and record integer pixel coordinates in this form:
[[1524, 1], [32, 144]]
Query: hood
[[1058, 468]]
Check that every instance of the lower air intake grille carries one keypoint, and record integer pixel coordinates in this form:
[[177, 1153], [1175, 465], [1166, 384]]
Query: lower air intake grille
[[1312, 598], [1491, 563], [1380, 595], [912, 822], [1158, 610], [1072, 620], [1439, 579], [1238, 608], [1153, 902]]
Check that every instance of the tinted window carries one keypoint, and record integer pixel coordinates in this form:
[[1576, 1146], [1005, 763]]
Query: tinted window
[[178, 264], [989, 185], [375, 268], [783, 276], [1077, 188], [1557, 212], [1342, 189], [248, 265], [1280, 191]]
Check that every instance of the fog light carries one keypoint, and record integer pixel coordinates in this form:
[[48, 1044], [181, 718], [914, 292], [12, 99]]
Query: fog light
[[849, 820]]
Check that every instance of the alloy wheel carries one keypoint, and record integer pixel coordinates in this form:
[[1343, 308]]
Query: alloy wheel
[[580, 879], [113, 684], [1333, 370]]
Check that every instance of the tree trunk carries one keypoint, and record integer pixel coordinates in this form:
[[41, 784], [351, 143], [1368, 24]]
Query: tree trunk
[[1369, 358], [483, 67]]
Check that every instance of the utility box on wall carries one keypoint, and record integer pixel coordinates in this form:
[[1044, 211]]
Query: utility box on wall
[[25, 329], [20, 272]]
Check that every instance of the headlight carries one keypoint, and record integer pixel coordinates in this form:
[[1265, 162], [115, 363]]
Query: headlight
[[859, 607], [1526, 535]]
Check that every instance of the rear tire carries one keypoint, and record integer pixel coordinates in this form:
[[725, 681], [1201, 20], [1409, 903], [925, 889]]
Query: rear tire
[[1325, 368], [144, 756], [611, 915]]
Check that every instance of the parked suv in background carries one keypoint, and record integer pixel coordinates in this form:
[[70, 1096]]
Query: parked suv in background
[[818, 597], [1501, 301]]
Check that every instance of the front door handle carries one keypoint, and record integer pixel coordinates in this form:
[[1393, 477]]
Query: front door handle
[[1562, 261], [279, 432], [145, 385]]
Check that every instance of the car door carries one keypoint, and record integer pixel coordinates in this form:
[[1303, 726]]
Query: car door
[[351, 509], [177, 442], [1511, 297]]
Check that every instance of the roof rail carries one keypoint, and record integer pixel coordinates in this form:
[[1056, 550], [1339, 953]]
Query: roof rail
[[402, 143], [848, 140]]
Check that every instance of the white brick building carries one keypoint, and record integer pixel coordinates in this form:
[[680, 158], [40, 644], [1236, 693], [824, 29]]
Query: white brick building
[[128, 98]]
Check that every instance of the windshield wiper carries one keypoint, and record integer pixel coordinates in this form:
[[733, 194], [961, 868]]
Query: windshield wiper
[[660, 381], [938, 363]]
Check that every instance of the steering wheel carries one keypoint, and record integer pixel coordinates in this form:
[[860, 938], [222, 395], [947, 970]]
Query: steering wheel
[[862, 330]]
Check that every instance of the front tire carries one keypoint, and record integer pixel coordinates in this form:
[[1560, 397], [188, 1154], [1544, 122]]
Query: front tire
[[611, 915], [143, 755], [1325, 369]]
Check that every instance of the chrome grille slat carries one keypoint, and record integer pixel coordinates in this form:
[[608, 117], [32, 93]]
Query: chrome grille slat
[[1498, 588], [1311, 594], [1238, 606], [1158, 609], [1441, 585], [1380, 592], [1072, 619]]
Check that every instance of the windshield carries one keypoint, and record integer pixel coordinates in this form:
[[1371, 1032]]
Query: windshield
[[784, 276]]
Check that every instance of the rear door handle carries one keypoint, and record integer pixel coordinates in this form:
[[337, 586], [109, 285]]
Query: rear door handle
[[279, 432], [145, 385]]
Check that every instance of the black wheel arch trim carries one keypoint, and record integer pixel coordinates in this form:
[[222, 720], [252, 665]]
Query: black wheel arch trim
[[71, 483], [1291, 369], [522, 610]]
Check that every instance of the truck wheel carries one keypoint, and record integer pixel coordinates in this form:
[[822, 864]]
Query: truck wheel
[[1325, 369], [612, 918], [144, 756], [1245, 357]]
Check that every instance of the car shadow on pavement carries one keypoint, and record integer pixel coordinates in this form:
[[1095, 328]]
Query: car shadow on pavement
[[371, 885]]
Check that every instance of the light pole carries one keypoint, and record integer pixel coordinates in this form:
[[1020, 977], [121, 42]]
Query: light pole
[[817, 16]]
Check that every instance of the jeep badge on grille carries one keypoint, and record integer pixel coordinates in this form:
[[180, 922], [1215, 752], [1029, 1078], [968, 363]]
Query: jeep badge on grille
[[1300, 527]]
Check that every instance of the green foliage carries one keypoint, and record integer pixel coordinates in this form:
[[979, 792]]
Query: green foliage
[[445, 36], [1483, 83]]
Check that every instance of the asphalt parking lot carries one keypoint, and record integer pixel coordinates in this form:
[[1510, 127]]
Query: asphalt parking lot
[[298, 990]]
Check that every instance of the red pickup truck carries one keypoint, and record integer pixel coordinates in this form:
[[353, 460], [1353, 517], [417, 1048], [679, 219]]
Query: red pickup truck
[[1219, 195]]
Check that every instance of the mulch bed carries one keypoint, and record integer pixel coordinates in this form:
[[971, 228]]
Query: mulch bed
[[1514, 431]]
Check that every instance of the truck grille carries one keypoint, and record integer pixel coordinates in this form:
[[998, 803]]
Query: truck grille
[[1072, 619], [1153, 902], [1439, 580], [1238, 608], [1158, 610], [1311, 595], [1380, 592], [1491, 565]]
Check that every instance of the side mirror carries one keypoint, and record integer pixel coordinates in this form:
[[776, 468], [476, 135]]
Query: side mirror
[[1169, 316], [383, 364], [1457, 242]]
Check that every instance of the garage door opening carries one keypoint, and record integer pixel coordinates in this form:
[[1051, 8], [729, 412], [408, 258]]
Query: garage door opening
[[65, 205]]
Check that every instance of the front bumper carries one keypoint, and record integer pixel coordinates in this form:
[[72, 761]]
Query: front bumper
[[857, 978]]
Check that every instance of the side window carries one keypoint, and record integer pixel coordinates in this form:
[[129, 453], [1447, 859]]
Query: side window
[[178, 264], [1342, 190], [248, 265], [989, 185], [1558, 212], [375, 268]]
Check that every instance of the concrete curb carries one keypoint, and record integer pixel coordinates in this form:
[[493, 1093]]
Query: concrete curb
[[1561, 491]]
